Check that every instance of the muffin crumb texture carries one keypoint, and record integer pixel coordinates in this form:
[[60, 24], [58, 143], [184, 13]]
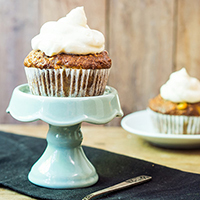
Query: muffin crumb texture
[[38, 59], [160, 105]]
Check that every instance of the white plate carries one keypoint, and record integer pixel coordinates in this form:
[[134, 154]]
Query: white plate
[[139, 123]]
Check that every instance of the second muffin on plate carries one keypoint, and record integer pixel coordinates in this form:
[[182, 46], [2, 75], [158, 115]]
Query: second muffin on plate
[[176, 110]]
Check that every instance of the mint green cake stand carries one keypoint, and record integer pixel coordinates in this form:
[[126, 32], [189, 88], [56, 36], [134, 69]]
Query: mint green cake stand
[[63, 163]]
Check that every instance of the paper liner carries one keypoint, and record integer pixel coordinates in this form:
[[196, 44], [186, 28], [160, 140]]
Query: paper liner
[[67, 82], [173, 124]]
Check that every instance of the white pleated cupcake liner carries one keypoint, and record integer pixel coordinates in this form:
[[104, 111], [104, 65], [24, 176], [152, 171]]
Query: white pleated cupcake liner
[[173, 124], [67, 82]]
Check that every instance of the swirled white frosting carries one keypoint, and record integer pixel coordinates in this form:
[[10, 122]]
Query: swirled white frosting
[[181, 88], [69, 34]]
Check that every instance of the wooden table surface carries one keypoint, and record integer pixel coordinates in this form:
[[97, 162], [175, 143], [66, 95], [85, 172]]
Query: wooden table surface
[[114, 139]]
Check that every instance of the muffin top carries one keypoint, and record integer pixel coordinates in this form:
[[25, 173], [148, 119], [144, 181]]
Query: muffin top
[[68, 43], [38, 59], [180, 95]]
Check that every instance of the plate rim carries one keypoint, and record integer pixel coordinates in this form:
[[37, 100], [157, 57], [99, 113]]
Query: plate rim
[[150, 134]]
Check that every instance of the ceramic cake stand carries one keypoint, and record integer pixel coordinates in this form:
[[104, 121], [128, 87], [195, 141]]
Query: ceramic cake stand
[[63, 163]]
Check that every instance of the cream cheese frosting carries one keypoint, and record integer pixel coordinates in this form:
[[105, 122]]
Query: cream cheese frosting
[[70, 34], [181, 88]]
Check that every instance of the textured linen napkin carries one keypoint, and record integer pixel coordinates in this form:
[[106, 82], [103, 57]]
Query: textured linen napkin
[[19, 153]]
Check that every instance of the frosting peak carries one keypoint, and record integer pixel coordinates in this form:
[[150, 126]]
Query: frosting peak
[[70, 34], [181, 88]]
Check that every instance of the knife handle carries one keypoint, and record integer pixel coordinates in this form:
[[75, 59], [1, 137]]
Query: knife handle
[[130, 182]]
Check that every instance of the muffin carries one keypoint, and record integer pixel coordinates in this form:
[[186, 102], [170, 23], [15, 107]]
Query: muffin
[[68, 59], [176, 110]]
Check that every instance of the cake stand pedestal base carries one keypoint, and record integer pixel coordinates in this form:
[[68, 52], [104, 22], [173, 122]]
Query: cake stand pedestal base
[[63, 163]]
